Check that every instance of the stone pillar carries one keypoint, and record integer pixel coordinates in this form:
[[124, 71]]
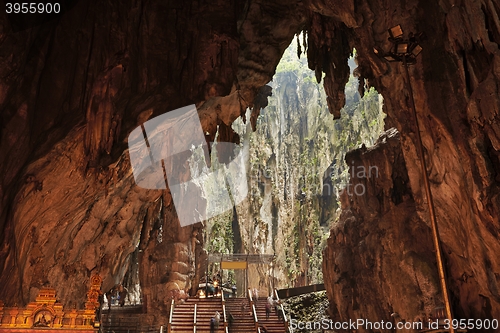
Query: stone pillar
[[13, 316], [27, 319], [58, 308], [72, 315]]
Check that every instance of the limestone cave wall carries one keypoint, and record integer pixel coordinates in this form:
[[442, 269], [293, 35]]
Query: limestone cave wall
[[73, 88], [71, 91], [379, 258]]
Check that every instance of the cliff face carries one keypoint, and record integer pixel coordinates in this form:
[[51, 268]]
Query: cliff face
[[72, 89], [379, 259], [380, 250]]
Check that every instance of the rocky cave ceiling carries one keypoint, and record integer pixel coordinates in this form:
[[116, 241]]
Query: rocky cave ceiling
[[72, 89]]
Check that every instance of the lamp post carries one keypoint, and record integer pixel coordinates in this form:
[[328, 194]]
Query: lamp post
[[406, 51]]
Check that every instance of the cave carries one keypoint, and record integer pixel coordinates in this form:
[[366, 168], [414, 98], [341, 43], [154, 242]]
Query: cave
[[76, 85]]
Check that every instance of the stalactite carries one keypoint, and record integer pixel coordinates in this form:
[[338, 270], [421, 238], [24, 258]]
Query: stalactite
[[299, 49]]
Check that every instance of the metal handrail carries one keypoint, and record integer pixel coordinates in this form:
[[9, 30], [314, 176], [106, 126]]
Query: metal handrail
[[169, 327], [284, 316], [194, 319], [256, 320], [224, 309], [282, 309], [224, 314]]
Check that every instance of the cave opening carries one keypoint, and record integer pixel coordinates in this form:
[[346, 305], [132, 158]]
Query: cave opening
[[296, 174]]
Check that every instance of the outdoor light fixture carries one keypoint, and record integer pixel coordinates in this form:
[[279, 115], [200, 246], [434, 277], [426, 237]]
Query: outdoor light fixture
[[401, 48], [396, 32], [406, 51], [416, 50]]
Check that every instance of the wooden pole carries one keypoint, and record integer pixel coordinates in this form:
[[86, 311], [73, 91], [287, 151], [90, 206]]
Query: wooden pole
[[430, 203]]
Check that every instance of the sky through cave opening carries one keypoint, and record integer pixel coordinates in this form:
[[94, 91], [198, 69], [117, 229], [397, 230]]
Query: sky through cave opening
[[296, 173]]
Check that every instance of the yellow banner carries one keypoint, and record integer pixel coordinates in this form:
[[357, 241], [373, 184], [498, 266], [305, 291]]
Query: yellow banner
[[233, 265]]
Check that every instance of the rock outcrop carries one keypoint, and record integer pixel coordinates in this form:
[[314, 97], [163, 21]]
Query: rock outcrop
[[455, 84], [72, 89], [379, 258]]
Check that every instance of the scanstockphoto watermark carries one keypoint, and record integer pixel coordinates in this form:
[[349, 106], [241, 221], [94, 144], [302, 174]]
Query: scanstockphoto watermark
[[411, 326], [356, 173], [353, 325], [357, 186]]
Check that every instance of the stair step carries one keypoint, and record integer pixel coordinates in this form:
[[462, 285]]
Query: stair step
[[183, 316]]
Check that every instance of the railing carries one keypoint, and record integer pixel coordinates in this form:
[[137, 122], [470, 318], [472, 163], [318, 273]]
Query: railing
[[148, 329], [256, 320], [225, 317], [169, 327], [296, 291], [131, 328], [224, 311], [128, 324], [252, 306], [283, 315], [194, 319]]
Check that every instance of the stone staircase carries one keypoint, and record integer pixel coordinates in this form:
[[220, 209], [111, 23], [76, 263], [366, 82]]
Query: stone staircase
[[274, 324], [240, 317], [241, 311], [183, 315]]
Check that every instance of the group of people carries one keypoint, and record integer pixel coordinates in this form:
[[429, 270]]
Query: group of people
[[213, 286], [272, 303], [117, 293], [214, 322]]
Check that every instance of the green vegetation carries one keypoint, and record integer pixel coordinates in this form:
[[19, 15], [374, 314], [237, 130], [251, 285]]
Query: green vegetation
[[310, 307], [220, 234]]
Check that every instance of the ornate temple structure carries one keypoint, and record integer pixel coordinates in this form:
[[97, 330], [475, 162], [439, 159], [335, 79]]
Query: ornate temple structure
[[46, 313]]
